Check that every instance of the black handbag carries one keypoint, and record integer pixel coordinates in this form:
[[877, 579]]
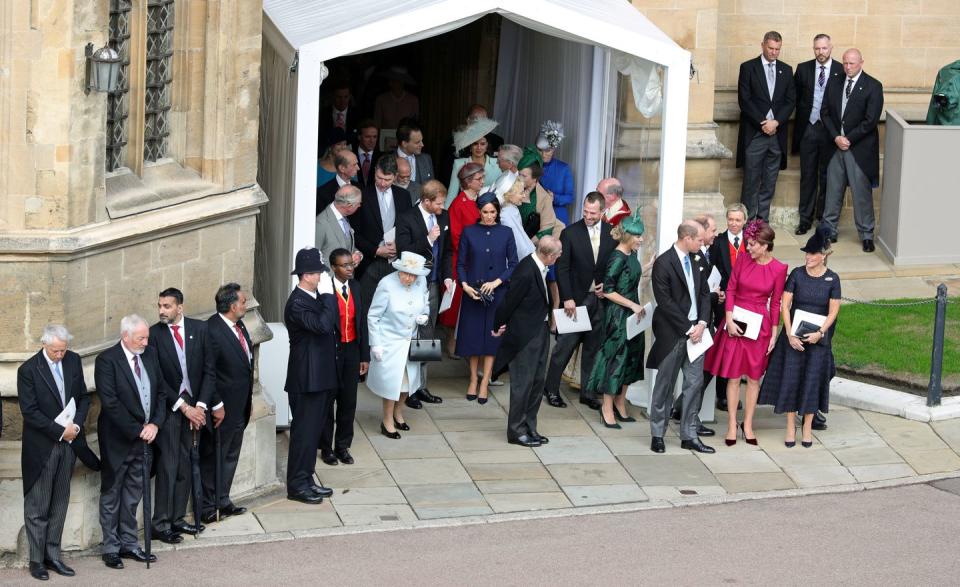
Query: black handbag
[[805, 328], [531, 225], [424, 350]]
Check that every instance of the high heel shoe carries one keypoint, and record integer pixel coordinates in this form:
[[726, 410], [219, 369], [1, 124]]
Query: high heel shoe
[[471, 397], [615, 426], [482, 400], [619, 418], [806, 443], [750, 441], [383, 430], [729, 442], [401, 425], [790, 444]]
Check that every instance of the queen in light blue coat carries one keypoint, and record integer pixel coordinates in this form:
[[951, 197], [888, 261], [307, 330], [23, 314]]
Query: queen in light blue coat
[[400, 304]]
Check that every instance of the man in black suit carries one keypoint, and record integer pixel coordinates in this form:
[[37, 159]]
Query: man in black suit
[[726, 249], [311, 320], [425, 230], [522, 321], [851, 114], [346, 163], [766, 96], [353, 359], [188, 368], [381, 204], [46, 383], [340, 113], [410, 147], [683, 308], [810, 138], [232, 350], [368, 151], [587, 245], [133, 400]]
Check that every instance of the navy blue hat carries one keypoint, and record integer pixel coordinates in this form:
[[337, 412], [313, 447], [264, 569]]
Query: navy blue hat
[[819, 242], [487, 198], [308, 261]]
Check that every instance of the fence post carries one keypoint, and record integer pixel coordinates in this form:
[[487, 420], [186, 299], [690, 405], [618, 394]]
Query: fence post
[[934, 390]]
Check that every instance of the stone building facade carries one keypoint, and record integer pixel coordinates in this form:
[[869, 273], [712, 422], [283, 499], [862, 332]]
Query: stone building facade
[[107, 199]]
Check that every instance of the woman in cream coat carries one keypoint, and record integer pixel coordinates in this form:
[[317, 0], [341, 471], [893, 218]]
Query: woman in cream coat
[[400, 304]]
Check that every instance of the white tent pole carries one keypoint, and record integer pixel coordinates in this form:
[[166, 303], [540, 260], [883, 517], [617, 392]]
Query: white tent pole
[[310, 74], [673, 151], [597, 157]]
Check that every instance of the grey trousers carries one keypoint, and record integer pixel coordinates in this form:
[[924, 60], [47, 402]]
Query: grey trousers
[[173, 471], [567, 343], [662, 398], [434, 289], [527, 373], [118, 505], [45, 505], [761, 167], [843, 171]]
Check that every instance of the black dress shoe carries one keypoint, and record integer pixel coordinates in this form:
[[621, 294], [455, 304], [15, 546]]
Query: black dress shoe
[[167, 536], [344, 456], [802, 229], [307, 496], [696, 445], [540, 438], [138, 555], [321, 490], [38, 571], [676, 415], [525, 440], [209, 517], [328, 458], [425, 396], [868, 245], [112, 560], [819, 425], [721, 404], [185, 528], [593, 404], [656, 444], [59, 568], [704, 431], [413, 403], [232, 510], [555, 399]]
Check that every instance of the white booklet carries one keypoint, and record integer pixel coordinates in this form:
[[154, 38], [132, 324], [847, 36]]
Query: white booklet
[[802, 316], [694, 350], [751, 319], [447, 300], [67, 414], [633, 327], [579, 323], [713, 282]]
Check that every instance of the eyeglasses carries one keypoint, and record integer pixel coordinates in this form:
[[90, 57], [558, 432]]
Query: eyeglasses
[[350, 265]]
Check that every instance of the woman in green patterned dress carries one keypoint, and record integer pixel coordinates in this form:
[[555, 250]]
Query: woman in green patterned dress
[[620, 361]]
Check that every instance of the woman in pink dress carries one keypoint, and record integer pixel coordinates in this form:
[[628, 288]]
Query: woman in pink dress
[[756, 284]]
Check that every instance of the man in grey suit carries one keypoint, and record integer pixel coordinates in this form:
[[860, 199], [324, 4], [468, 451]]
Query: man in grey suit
[[403, 180], [333, 230], [410, 147], [46, 383]]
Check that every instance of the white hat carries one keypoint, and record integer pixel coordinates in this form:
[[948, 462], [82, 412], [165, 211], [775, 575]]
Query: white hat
[[470, 133], [411, 263]]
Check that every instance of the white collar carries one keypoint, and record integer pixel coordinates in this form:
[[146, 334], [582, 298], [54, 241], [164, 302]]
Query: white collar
[[426, 215], [181, 324], [540, 264], [704, 249], [229, 322], [401, 153], [764, 61], [731, 235], [387, 191], [361, 151], [312, 294], [336, 213], [339, 284], [130, 354], [855, 78], [50, 361], [341, 182], [680, 253]]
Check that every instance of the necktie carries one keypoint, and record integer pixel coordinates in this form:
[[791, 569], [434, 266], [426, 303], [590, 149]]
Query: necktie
[[136, 365], [58, 377], [771, 78], [340, 120], [365, 166], [243, 341], [692, 314], [346, 292], [176, 336], [706, 253], [848, 89], [686, 266], [736, 242], [345, 226], [823, 76]]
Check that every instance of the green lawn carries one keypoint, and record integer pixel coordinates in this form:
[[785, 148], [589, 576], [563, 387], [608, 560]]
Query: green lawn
[[897, 342]]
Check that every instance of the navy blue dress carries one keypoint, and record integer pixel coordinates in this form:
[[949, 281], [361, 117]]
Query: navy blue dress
[[486, 253], [795, 381]]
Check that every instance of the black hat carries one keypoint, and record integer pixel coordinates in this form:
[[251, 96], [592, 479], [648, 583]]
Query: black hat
[[819, 242], [308, 261]]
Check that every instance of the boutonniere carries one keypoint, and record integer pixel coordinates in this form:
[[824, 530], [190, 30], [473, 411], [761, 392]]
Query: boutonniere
[[696, 257]]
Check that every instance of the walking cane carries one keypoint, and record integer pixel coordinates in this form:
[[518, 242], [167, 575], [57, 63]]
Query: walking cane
[[217, 473], [146, 501], [196, 483]]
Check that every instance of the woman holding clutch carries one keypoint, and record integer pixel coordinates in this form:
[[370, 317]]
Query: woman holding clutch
[[801, 366], [755, 284]]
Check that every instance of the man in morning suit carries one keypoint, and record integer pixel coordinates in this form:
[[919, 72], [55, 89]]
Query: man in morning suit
[[810, 137], [425, 230], [133, 399], [683, 308], [382, 202], [346, 163], [766, 96], [311, 320], [340, 113], [46, 383], [353, 359], [368, 151], [333, 230], [851, 114], [522, 322], [403, 180], [410, 147], [232, 350], [587, 245], [726, 249], [187, 366]]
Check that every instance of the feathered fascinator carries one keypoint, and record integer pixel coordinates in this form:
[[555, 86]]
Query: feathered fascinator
[[551, 135], [633, 224], [753, 229]]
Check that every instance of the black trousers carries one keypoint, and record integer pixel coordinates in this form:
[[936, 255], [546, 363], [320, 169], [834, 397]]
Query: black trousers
[[173, 471], [231, 441], [567, 343], [337, 433], [528, 371], [309, 415], [45, 504], [816, 148]]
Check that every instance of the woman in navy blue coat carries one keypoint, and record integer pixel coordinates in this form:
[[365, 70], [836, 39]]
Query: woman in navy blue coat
[[488, 254]]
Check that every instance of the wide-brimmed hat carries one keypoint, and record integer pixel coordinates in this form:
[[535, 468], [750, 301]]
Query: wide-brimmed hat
[[308, 261], [411, 263], [468, 134], [399, 73], [819, 242], [632, 224]]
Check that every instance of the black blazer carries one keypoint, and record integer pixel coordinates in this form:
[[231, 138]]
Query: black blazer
[[359, 324], [720, 256], [327, 192], [368, 224], [412, 236], [858, 121], [576, 269], [365, 180], [670, 322], [755, 102], [523, 308], [349, 124], [804, 81], [40, 403], [121, 415], [234, 372], [200, 362], [312, 327]]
